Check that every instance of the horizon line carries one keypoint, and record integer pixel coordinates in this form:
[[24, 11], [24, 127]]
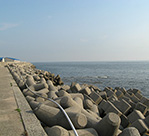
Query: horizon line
[[90, 61]]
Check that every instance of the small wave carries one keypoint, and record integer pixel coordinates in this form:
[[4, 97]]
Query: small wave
[[104, 77]]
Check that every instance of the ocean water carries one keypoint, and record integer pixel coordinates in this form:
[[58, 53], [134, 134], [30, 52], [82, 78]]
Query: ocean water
[[102, 74]]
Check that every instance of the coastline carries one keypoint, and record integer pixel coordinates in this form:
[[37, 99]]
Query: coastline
[[94, 106]]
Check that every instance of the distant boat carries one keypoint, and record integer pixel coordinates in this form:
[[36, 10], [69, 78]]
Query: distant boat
[[8, 59]]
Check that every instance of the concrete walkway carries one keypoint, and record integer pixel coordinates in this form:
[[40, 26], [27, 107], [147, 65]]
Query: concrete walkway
[[21, 122], [10, 119]]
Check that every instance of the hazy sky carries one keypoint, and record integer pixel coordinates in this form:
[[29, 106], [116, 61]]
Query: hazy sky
[[74, 30]]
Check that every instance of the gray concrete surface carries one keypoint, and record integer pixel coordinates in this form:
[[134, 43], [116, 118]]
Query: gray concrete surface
[[12, 122], [10, 119]]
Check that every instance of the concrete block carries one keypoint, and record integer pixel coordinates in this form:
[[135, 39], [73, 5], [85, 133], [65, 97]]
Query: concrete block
[[122, 105], [134, 91], [94, 114], [56, 131], [75, 88], [138, 95], [123, 90], [118, 132], [87, 104], [146, 120], [84, 132], [112, 98], [86, 91], [72, 84], [50, 103], [140, 125], [128, 100], [128, 95], [42, 94], [15, 76], [91, 118], [119, 94], [109, 92], [22, 85], [103, 105], [51, 87], [67, 102], [124, 121], [42, 80], [30, 80], [60, 131], [34, 104], [52, 95], [40, 99], [27, 92], [95, 97], [147, 113], [36, 77], [135, 99], [112, 108], [109, 125], [52, 116], [136, 114], [79, 101], [133, 105], [73, 95], [61, 93], [103, 94], [141, 107], [44, 90], [64, 87], [130, 131], [29, 98], [40, 86], [94, 108], [125, 98], [107, 89], [145, 101]]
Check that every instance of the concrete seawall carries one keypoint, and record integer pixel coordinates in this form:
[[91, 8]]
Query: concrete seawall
[[93, 112], [16, 116]]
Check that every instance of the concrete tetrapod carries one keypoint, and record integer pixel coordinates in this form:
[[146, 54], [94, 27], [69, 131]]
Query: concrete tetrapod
[[30, 80], [60, 131], [71, 106], [53, 116], [109, 125], [51, 86], [87, 104], [130, 131], [72, 95], [40, 86], [52, 90]]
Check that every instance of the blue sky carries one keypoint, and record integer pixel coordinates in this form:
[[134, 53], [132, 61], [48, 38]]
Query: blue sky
[[74, 30]]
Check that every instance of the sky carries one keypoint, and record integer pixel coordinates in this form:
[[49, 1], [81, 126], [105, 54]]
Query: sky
[[74, 30]]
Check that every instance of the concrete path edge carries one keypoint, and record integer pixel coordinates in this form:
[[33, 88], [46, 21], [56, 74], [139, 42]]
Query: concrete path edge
[[31, 123]]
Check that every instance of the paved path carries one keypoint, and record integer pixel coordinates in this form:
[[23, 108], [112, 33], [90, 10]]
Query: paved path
[[12, 122], [10, 119]]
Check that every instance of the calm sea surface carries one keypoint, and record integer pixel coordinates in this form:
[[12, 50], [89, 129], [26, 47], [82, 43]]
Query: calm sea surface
[[102, 74]]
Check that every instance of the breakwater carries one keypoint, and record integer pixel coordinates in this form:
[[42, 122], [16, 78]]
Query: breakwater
[[93, 112]]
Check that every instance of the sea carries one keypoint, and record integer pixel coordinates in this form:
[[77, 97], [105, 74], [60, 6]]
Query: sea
[[131, 74]]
